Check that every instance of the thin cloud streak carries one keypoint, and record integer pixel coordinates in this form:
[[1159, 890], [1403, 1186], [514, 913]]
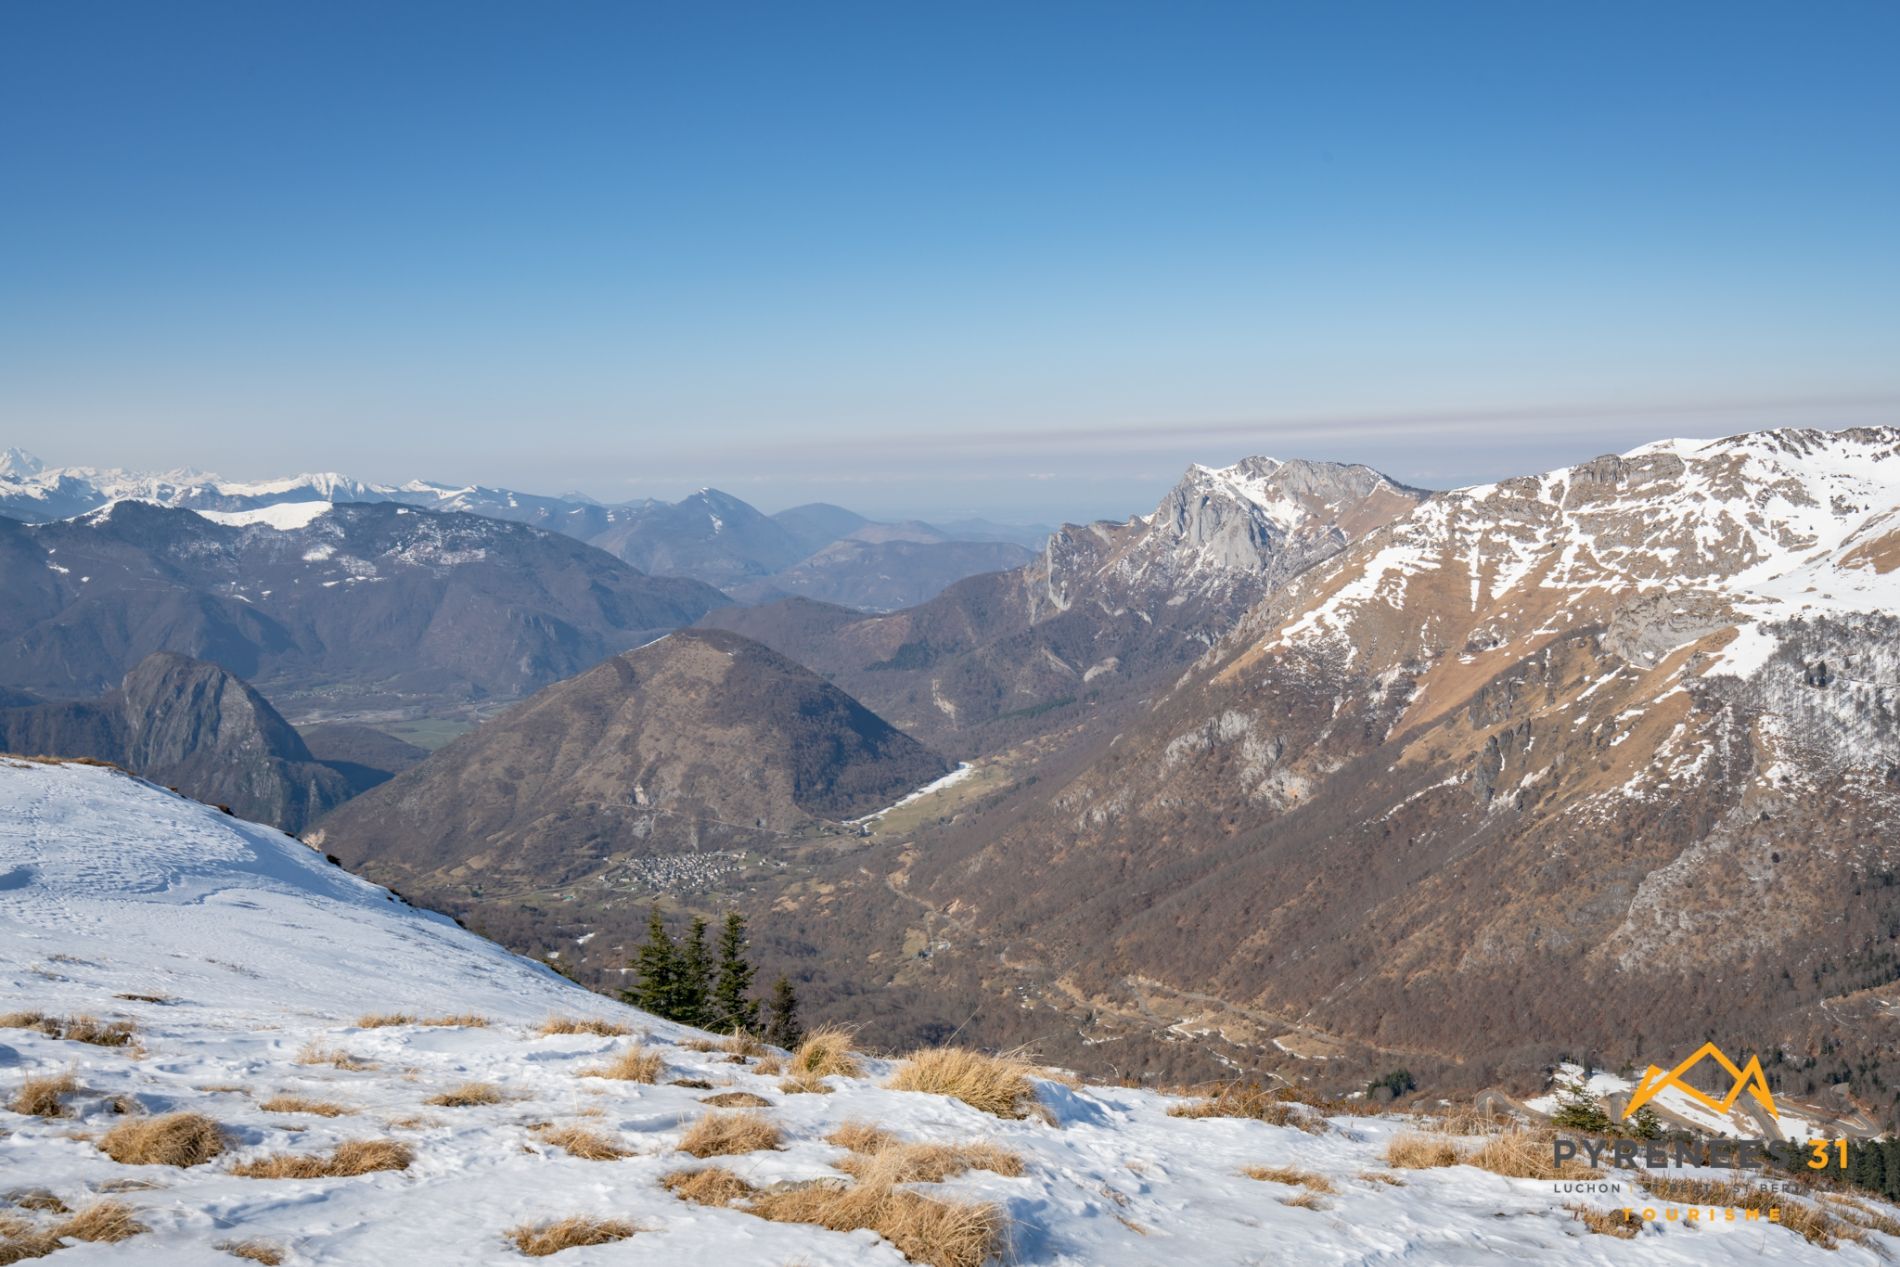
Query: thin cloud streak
[[1585, 419]]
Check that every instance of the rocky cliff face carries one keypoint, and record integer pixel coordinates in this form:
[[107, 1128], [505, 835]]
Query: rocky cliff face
[[188, 724]]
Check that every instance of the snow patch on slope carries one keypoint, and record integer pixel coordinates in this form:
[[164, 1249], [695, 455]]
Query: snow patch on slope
[[284, 516]]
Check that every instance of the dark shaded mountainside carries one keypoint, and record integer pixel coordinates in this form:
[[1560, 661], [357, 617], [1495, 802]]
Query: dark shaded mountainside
[[189, 725], [702, 741], [1107, 611], [353, 598], [1601, 761]]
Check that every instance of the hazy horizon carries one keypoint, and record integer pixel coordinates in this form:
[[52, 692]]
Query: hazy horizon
[[1138, 489]]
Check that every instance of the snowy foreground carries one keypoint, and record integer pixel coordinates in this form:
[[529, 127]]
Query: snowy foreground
[[261, 950]]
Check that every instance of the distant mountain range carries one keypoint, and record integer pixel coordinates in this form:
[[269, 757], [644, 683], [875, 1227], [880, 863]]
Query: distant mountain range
[[357, 599], [708, 536]]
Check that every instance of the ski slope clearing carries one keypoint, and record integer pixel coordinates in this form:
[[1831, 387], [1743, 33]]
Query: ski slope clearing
[[251, 970]]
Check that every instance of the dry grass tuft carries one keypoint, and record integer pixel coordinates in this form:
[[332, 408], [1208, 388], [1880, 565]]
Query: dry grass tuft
[[1814, 1223], [930, 1163], [1604, 1222], [736, 1100], [102, 1221], [346, 1160], [709, 1185], [804, 1084], [538, 1240], [1857, 1211], [336, 1057], [740, 1043], [467, 1020], [884, 1158], [1305, 1201], [1463, 1119], [584, 1025], [468, 1095], [383, 1020], [722, 1134], [862, 1137], [923, 1229], [256, 1251], [1250, 1100], [78, 1029], [302, 1104], [997, 1085], [1412, 1151], [90, 1029], [175, 1139], [1375, 1176], [39, 1199], [1525, 1154], [635, 1064], [1288, 1175], [825, 1053], [769, 1066], [39, 1097], [580, 1142]]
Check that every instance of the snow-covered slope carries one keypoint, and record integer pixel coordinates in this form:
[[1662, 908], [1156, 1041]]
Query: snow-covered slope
[[259, 949], [1755, 528]]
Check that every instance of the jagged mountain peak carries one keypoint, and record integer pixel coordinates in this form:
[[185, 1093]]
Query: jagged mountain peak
[[1260, 517], [16, 463]]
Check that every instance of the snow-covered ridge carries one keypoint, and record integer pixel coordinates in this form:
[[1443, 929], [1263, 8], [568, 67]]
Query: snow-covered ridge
[[1767, 526], [283, 516], [233, 949], [31, 490]]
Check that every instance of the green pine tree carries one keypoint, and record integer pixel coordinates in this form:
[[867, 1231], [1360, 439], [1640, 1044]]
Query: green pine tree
[[733, 1008], [784, 1029], [656, 970], [693, 981]]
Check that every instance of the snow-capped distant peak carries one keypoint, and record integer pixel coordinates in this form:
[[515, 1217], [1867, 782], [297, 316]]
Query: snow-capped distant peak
[[19, 464]]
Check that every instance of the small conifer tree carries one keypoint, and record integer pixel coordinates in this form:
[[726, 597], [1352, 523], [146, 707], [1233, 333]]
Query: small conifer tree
[[692, 980], [733, 1009], [784, 1029], [656, 969]]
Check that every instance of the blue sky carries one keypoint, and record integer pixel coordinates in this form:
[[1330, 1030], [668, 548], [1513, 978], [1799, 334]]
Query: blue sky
[[1028, 259]]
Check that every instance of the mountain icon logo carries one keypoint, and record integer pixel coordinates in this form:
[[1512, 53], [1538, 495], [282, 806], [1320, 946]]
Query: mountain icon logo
[[1747, 1077]]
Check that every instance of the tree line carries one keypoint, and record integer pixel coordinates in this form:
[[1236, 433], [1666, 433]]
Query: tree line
[[680, 979]]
